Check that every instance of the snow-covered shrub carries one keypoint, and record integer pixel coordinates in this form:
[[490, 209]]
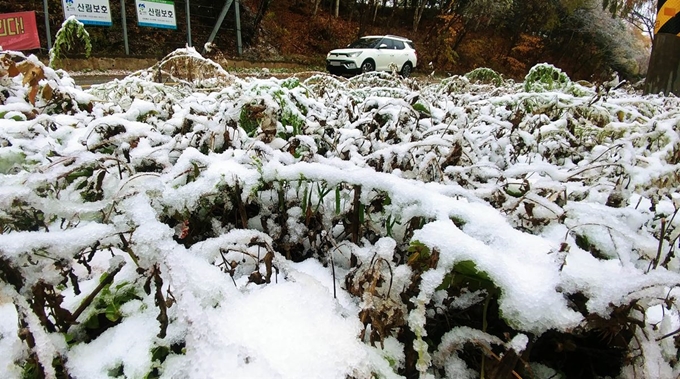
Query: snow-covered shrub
[[545, 77], [327, 228], [485, 75], [71, 34]]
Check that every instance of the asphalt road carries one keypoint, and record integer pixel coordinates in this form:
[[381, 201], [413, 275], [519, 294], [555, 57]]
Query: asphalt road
[[86, 81]]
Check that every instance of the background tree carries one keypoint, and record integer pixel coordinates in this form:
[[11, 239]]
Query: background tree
[[418, 9], [616, 50], [261, 10], [622, 8], [643, 17], [457, 18], [316, 7]]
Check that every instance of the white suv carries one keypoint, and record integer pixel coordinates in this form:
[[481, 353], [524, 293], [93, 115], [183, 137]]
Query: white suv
[[379, 53]]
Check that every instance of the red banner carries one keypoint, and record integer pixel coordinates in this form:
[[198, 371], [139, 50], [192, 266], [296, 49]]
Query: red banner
[[19, 31]]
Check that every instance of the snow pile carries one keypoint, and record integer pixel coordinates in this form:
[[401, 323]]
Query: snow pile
[[327, 228]]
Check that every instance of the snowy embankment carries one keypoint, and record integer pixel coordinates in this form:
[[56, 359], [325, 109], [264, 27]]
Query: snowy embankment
[[327, 228]]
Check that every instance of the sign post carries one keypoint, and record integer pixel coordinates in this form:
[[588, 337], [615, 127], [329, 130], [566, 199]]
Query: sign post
[[156, 13], [47, 24], [124, 21], [188, 10], [663, 75], [19, 31], [239, 47]]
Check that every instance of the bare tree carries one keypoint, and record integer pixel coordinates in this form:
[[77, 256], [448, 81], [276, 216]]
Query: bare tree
[[376, 5], [622, 8], [316, 7], [620, 50], [418, 13], [643, 17], [261, 11]]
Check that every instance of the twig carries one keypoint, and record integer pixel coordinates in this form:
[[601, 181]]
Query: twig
[[659, 248], [676, 331], [107, 280], [496, 357], [335, 295], [160, 302], [128, 249]]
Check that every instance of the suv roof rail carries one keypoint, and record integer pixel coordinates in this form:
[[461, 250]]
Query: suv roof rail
[[395, 36]]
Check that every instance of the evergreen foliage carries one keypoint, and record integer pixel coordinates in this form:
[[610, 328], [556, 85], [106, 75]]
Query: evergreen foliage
[[68, 38]]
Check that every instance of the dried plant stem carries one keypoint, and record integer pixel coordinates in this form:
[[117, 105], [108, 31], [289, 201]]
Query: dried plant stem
[[107, 280], [662, 236]]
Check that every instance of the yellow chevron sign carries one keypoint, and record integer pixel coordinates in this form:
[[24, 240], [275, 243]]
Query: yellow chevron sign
[[668, 17]]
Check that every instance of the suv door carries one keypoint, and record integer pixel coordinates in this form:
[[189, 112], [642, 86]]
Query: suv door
[[400, 57], [384, 55]]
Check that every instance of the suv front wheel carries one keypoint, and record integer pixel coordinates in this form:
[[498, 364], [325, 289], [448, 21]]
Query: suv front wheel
[[367, 66], [406, 70]]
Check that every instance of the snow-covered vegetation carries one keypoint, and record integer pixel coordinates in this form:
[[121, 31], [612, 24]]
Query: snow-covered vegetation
[[331, 228]]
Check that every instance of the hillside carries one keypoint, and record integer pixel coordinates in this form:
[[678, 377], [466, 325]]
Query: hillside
[[456, 37], [454, 45]]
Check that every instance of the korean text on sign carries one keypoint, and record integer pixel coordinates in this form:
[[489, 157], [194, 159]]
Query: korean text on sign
[[156, 13], [18, 31], [89, 12]]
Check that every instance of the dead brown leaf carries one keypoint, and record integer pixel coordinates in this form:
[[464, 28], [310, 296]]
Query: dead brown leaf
[[32, 94], [32, 73], [47, 92]]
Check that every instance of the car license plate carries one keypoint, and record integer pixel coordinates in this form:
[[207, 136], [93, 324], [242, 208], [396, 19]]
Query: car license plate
[[333, 63]]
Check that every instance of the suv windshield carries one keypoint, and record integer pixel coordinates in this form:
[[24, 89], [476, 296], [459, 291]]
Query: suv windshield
[[364, 43]]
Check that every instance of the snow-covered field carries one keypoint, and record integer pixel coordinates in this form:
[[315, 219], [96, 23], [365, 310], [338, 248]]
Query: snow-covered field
[[329, 228]]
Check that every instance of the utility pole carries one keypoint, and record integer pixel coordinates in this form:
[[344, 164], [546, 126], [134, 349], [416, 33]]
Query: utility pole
[[663, 75]]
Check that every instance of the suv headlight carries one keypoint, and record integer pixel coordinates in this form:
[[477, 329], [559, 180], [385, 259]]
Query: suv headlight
[[354, 54]]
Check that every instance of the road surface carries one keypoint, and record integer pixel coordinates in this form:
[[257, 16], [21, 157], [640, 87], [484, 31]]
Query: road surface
[[86, 81]]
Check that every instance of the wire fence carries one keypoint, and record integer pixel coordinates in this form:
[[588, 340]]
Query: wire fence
[[193, 27]]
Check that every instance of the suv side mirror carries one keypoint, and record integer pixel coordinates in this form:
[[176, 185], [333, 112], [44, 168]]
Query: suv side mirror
[[382, 46]]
